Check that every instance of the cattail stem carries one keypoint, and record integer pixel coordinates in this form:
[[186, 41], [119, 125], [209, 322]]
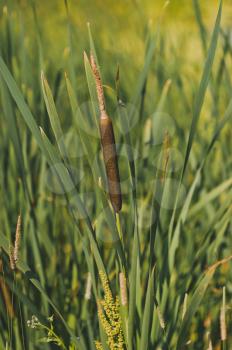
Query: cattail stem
[[223, 319], [210, 346], [88, 287], [108, 145], [123, 289]]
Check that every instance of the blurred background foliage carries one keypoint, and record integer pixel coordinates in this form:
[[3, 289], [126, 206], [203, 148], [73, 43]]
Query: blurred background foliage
[[52, 36]]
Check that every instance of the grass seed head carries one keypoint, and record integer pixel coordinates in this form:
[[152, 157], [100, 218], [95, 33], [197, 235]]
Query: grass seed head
[[17, 239]]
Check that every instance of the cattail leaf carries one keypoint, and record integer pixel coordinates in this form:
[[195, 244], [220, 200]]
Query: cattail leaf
[[196, 114], [22, 106], [80, 123], [185, 209], [202, 87], [195, 302], [24, 268], [23, 298], [48, 150], [206, 241], [210, 196], [53, 115], [38, 34], [66, 181], [148, 313], [92, 47], [164, 95], [147, 63], [132, 289], [92, 92], [221, 228], [200, 23], [14, 132]]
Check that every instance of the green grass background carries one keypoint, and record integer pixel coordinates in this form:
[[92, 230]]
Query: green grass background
[[60, 246]]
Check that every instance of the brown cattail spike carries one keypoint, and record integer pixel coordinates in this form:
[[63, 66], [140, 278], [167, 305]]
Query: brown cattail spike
[[110, 160], [108, 145]]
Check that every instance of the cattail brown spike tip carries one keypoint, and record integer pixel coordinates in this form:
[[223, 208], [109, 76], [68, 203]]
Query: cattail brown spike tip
[[108, 144]]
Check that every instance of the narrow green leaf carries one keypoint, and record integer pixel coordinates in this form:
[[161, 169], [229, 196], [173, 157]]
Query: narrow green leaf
[[148, 313], [203, 86], [195, 302]]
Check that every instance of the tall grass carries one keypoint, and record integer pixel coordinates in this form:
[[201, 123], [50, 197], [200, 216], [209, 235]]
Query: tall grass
[[155, 275]]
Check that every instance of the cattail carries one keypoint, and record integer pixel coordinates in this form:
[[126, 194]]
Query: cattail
[[17, 239], [123, 289], [108, 144], [88, 287]]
